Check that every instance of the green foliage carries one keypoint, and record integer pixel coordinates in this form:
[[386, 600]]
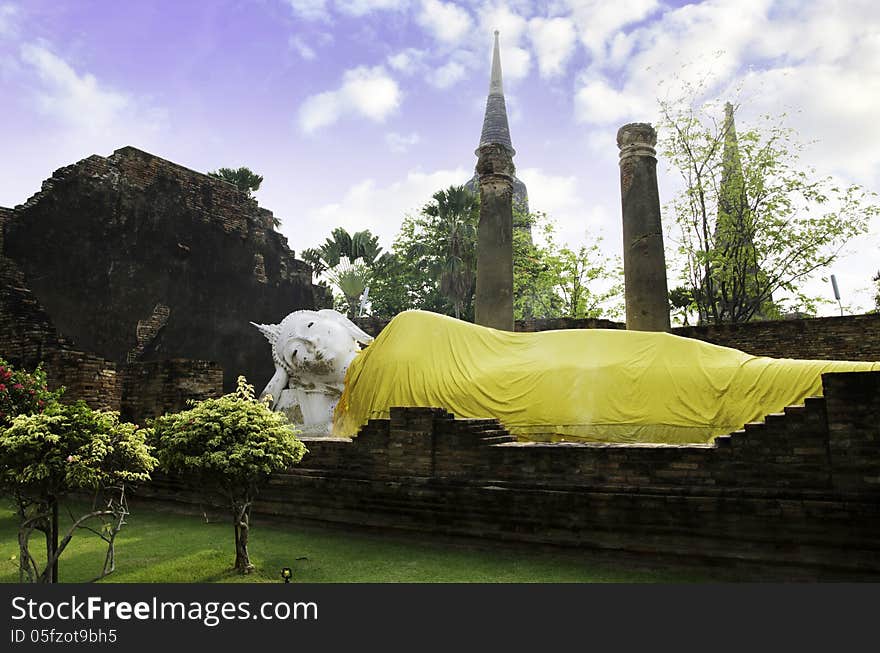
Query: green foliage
[[455, 212], [232, 443], [681, 301], [349, 263], [553, 280], [433, 266], [70, 447], [245, 179], [433, 262], [22, 393], [229, 446], [752, 224], [876, 280]]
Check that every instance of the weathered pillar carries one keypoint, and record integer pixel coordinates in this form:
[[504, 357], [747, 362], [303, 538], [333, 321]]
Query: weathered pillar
[[493, 303], [644, 263]]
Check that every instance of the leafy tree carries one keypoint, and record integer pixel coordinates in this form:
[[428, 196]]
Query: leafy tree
[[553, 280], [456, 212], [245, 179], [348, 261], [876, 279], [70, 448], [22, 393], [409, 280], [433, 266], [681, 299], [752, 223], [229, 446]]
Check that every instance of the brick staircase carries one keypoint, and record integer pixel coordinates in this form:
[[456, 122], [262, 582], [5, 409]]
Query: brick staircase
[[791, 417]]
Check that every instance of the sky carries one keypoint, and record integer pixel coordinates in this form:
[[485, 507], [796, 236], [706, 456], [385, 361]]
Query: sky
[[356, 111]]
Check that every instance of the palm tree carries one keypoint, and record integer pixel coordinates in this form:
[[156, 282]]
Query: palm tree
[[245, 179], [348, 261], [456, 210]]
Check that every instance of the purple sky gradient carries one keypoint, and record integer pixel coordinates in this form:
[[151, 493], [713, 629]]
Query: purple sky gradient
[[228, 83]]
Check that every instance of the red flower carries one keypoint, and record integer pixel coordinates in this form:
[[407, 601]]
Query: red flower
[[17, 386], [2, 388]]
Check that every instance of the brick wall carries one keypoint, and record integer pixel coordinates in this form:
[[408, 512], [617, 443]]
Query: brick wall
[[851, 337], [137, 258], [801, 487], [153, 388]]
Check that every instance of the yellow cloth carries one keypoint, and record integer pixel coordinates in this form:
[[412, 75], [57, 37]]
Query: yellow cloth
[[585, 384]]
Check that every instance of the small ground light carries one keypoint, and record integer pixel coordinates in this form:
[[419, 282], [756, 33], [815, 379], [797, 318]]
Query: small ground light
[[286, 574]]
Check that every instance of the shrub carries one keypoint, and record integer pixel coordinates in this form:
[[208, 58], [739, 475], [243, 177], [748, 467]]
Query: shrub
[[228, 447], [22, 393], [70, 448]]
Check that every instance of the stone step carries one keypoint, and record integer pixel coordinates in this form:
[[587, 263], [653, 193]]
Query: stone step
[[499, 439]]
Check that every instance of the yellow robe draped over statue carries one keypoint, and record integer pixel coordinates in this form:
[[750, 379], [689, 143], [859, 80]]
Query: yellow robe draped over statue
[[577, 384]]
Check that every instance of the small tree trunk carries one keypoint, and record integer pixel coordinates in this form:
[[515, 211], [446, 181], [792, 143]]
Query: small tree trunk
[[242, 527], [54, 558], [50, 573]]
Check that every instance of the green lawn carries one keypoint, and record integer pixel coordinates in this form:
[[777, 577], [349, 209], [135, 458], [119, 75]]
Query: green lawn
[[160, 546]]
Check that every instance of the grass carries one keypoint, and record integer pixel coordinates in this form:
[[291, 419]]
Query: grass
[[161, 546]]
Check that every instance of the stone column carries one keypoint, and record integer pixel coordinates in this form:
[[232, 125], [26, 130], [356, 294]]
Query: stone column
[[493, 304], [644, 263]]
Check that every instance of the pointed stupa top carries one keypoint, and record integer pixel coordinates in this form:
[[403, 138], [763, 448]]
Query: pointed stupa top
[[495, 129], [732, 168]]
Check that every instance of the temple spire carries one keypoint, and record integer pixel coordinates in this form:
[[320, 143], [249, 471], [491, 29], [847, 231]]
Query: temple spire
[[495, 85], [731, 171], [495, 128]]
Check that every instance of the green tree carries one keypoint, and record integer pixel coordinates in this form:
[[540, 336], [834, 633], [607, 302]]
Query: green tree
[[245, 179], [348, 261], [433, 266], [681, 300], [752, 225], [70, 448], [229, 447], [553, 280], [453, 214], [876, 279]]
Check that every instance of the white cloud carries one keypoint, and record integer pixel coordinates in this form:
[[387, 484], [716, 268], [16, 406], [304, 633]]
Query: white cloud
[[320, 110], [400, 143], [407, 61], [500, 17], [310, 9], [447, 75], [363, 7], [8, 13], [366, 205], [448, 23], [82, 103], [368, 92], [554, 41], [819, 62], [302, 48], [597, 102], [561, 198], [599, 20], [688, 44], [515, 59]]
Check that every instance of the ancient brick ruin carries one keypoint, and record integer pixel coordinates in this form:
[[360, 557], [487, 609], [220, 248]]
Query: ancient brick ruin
[[800, 489], [134, 279], [130, 269]]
